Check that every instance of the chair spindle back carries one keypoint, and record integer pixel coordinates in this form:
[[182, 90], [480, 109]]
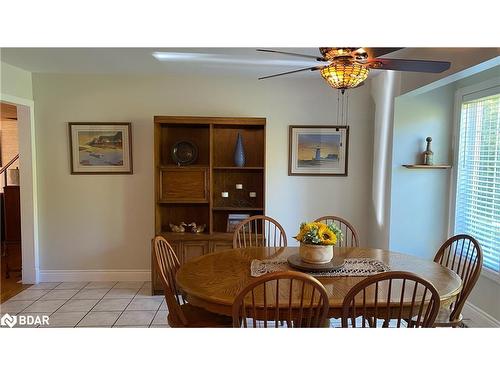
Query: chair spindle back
[[257, 231], [463, 255], [167, 265], [350, 235], [382, 296], [292, 297]]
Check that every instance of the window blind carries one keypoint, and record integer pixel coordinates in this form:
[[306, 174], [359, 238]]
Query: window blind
[[478, 182]]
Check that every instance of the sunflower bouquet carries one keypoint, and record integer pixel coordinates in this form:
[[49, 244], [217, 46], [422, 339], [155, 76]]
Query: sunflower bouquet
[[317, 233]]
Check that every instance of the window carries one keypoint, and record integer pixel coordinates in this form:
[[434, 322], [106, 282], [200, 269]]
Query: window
[[477, 207]]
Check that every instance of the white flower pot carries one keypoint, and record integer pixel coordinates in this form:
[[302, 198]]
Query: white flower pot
[[316, 254]]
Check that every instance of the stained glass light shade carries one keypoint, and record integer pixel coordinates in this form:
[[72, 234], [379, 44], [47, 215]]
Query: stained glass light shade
[[344, 75]]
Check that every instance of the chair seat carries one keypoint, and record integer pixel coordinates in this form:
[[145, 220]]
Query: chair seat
[[200, 318], [443, 319]]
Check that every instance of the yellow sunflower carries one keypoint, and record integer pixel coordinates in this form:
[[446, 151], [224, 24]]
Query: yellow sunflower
[[326, 236]]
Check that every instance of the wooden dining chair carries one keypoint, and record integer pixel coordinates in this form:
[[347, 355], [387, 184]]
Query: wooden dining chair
[[180, 313], [292, 297], [463, 255], [350, 235], [382, 297], [257, 231]]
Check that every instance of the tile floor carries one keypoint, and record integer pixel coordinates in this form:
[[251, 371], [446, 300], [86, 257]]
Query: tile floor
[[94, 304], [91, 304]]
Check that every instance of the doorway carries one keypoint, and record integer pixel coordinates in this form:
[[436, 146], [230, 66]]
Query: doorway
[[27, 186], [10, 204]]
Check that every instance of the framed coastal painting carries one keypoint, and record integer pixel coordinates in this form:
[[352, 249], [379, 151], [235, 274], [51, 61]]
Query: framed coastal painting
[[318, 150], [100, 147]]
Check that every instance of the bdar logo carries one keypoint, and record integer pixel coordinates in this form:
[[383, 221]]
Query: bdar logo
[[8, 320]]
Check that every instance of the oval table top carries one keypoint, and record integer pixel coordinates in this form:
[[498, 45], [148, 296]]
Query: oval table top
[[213, 281]]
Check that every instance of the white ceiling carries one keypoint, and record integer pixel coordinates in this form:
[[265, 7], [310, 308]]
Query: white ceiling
[[240, 61], [193, 61], [214, 61]]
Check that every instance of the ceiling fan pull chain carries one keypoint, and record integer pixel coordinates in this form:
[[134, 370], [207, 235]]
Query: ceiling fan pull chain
[[338, 106], [342, 110], [346, 108]]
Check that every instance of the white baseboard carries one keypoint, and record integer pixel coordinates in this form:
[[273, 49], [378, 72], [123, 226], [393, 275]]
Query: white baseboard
[[94, 275], [474, 317]]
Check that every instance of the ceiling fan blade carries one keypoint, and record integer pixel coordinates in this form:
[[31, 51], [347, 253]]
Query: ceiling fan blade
[[317, 58], [376, 52], [313, 68], [424, 66]]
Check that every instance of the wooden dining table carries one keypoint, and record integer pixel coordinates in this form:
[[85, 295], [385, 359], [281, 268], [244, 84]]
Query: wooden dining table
[[213, 281]]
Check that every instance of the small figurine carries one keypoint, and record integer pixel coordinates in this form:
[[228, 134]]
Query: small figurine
[[190, 228], [196, 228], [428, 154], [177, 228]]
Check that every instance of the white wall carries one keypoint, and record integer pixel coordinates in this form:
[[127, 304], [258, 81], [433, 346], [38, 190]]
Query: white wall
[[419, 198], [106, 222]]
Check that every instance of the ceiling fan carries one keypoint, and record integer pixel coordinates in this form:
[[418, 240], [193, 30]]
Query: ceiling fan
[[348, 67]]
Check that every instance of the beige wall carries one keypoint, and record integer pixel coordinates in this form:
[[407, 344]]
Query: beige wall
[[15, 81], [106, 222]]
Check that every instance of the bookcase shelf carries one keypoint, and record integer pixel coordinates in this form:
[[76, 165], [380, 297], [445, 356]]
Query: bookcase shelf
[[193, 193], [237, 209], [238, 168]]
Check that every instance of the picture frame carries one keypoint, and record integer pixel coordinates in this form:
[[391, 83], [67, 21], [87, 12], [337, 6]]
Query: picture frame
[[319, 150], [233, 220], [100, 147]]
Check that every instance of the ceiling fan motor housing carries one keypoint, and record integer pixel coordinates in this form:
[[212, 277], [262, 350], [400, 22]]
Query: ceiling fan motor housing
[[332, 53]]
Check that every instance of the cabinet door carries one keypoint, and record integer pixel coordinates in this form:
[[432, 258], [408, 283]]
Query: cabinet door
[[192, 249], [221, 245], [184, 185]]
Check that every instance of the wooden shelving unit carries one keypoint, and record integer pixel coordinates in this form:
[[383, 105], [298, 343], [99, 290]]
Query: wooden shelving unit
[[423, 166], [192, 193]]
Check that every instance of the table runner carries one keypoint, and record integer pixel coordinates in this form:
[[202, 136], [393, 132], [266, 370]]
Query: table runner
[[351, 267]]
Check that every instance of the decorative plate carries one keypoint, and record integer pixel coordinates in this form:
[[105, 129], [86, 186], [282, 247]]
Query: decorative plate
[[184, 152], [295, 262]]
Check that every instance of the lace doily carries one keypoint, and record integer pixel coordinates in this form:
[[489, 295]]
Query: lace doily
[[351, 267]]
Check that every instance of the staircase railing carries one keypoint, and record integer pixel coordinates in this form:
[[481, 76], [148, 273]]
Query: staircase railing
[[6, 166]]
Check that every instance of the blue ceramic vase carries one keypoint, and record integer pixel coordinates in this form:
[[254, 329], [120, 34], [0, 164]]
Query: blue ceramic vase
[[239, 152]]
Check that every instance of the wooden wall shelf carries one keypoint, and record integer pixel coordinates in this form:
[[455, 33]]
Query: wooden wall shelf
[[423, 166], [192, 193]]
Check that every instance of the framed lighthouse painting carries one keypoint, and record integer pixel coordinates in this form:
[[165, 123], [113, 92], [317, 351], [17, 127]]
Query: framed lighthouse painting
[[318, 150]]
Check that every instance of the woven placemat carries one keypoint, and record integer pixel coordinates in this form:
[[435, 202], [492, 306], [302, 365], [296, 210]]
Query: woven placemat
[[351, 267]]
